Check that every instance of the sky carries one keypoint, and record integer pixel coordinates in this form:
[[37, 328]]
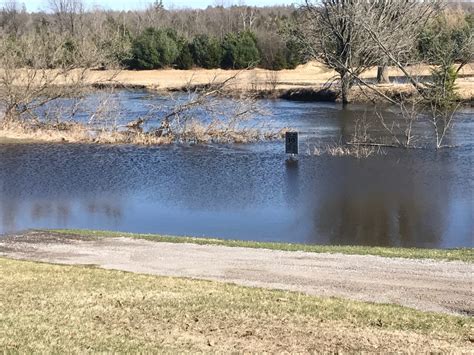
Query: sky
[[34, 5]]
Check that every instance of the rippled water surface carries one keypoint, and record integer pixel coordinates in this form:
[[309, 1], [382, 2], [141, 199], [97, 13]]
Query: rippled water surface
[[410, 198]]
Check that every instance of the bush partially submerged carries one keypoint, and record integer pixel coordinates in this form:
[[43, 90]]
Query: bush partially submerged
[[354, 150]]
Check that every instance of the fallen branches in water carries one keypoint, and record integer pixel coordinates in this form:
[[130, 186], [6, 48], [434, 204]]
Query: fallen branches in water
[[207, 115], [203, 115]]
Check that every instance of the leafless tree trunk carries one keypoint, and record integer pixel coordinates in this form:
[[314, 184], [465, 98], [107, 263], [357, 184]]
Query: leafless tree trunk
[[382, 75]]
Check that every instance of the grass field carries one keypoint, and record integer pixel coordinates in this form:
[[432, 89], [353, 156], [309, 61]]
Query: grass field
[[51, 308], [462, 254]]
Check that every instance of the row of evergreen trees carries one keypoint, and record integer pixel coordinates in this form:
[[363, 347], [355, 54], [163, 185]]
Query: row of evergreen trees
[[162, 48]]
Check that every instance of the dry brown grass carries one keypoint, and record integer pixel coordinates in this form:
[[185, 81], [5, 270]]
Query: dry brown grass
[[75, 133], [44, 133], [310, 75], [49, 308], [359, 151], [218, 131], [195, 132]]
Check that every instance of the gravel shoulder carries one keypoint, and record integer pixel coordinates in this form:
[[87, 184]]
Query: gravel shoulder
[[427, 285]]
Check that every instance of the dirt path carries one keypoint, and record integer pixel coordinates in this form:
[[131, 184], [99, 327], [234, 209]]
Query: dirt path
[[422, 284]]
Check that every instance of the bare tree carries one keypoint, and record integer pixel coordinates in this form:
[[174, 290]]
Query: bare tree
[[393, 29], [332, 34], [351, 36], [402, 130], [13, 18], [68, 14], [39, 68], [205, 114], [340, 33], [248, 16], [437, 96]]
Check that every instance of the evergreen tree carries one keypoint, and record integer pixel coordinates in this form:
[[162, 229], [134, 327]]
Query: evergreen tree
[[240, 51], [444, 41], [154, 49], [206, 51], [185, 59]]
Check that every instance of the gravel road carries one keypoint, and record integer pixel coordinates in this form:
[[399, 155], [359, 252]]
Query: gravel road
[[422, 284]]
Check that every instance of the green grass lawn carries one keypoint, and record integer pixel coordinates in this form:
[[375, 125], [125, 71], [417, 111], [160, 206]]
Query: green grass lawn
[[462, 254], [51, 308]]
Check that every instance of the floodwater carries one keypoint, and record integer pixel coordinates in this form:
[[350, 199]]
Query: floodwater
[[411, 198]]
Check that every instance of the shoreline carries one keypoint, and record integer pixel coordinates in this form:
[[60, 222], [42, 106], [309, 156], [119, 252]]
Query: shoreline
[[308, 82], [312, 93], [312, 81], [456, 254], [424, 284]]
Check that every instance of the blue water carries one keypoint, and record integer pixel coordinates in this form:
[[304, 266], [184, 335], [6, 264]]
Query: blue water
[[411, 198]]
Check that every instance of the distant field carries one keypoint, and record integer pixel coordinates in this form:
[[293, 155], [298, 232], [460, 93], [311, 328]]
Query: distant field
[[312, 75]]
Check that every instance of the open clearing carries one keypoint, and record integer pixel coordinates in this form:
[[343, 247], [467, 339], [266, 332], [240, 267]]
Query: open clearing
[[56, 309], [428, 285], [310, 75]]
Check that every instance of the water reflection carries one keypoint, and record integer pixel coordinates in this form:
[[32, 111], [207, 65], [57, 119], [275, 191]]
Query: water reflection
[[378, 203], [417, 198], [292, 183]]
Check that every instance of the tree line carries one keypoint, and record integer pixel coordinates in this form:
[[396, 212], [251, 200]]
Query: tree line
[[216, 37], [162, 48]]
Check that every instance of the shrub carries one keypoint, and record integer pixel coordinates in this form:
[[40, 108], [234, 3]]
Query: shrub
[[447, 39], [185, 59], [240, 51], [154, 49], [276, 53], [68, 52], [443, 93], [206, 51]]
